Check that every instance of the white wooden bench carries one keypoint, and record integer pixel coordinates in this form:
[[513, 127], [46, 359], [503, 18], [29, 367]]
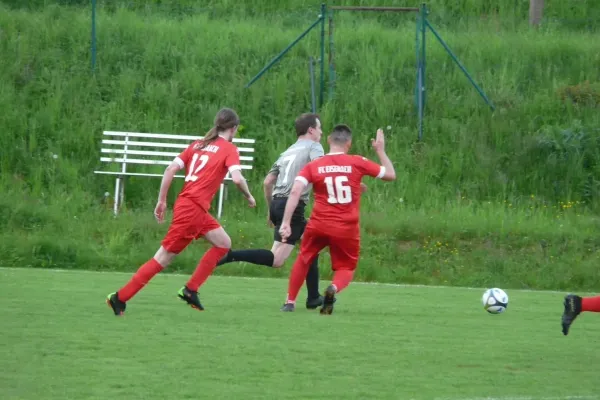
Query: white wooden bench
[[124, 148]]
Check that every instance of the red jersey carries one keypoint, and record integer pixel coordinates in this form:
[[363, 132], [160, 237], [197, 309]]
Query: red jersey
[[206, 168], [336, 179]]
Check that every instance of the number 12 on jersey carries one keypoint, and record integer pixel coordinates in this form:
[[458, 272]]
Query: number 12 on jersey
[[338, 191], [193, 174]]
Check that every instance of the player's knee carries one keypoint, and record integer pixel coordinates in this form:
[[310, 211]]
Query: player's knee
[[281, 252], [164, 257], [225, 242], [278, 262], [219, 238]]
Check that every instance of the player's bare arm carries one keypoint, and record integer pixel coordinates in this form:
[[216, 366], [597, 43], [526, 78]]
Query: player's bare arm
[[379, 146], [285, 231], [161, 205], [268, 185], [239, 180]]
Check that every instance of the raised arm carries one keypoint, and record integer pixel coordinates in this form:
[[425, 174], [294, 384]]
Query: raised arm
[[379, 147]]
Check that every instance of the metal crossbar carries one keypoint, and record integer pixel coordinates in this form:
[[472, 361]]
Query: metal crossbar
[[365, 8]]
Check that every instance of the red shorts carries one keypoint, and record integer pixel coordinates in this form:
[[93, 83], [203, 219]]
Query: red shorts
[[344, 251], [190, 222]]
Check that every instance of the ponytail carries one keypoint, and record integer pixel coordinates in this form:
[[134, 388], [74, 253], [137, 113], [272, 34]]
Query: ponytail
[[210, 137]]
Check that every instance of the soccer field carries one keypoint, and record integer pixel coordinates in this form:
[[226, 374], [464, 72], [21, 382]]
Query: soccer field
[[61, 341]]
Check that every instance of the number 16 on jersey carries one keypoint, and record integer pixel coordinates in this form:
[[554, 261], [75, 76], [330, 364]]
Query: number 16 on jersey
[[338, 190]]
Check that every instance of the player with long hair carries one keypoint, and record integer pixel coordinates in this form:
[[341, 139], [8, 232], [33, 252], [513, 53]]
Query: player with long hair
[[206, 162]]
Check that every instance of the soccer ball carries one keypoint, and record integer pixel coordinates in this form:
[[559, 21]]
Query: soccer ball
[[495, 301]]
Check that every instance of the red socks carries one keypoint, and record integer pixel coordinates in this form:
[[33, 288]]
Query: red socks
[[297, 277], [139, 279], [205, 267], [590, 304], [152, 267], [342, 278]]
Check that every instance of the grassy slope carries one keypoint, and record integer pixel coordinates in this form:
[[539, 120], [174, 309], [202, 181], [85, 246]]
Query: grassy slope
[[513, 194]]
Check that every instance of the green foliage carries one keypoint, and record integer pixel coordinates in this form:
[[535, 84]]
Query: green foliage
[[160, 72]]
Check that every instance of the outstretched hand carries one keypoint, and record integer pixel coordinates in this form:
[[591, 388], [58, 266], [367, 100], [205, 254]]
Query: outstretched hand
[[379, 142]]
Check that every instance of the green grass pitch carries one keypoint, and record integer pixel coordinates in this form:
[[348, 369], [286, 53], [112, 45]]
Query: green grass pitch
[[61, 341]]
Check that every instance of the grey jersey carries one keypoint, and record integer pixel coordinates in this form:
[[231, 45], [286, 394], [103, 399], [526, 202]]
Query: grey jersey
[[289, 164]]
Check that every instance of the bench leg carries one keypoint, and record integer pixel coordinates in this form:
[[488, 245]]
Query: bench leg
[[117, 195], [220, 206]]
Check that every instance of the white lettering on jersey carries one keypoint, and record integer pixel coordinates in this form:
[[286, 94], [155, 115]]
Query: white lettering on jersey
[[347, 169], [212, 148]]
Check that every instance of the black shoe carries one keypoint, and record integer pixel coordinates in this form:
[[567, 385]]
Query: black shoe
[[190, 297], [117, 305], [315, 302], [328, 300], [572, 310], [312, 304], [288, 307]]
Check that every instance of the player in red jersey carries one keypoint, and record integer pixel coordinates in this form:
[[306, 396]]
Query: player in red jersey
[[334, 222], [206, 163]]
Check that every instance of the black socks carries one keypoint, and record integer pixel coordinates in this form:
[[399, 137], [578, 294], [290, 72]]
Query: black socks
[[253, 256], [266, 257], [312, 279]]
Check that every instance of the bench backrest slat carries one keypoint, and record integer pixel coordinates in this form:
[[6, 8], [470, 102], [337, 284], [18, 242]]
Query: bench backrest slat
[[147, 162], [155, 153], [162, 145], [189, 138]]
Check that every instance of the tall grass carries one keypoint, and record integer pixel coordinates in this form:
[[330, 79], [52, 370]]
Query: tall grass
[[581, 13], [161, 73]]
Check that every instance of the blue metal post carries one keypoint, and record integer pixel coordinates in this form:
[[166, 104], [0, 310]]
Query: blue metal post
[[462, 68], [421, 70], [311, 71], [331, 57], [322, 16], [93, 35], [423, 48], [280, 55]]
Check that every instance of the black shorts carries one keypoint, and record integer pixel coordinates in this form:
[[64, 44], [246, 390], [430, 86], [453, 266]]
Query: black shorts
[[297, 224]]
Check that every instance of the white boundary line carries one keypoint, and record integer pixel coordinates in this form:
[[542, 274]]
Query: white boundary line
[[396, 285], [592, 397]]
